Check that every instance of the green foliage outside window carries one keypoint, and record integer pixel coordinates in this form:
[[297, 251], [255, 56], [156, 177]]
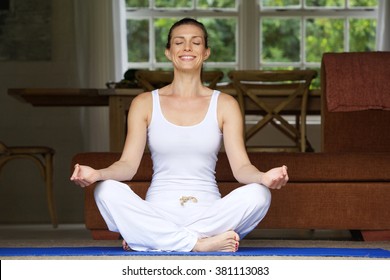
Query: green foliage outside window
[[362, 35], [138, 40], [323, 35], [281, 38], [137, 3]]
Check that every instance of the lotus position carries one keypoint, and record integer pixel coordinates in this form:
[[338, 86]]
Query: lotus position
[[184, 125]]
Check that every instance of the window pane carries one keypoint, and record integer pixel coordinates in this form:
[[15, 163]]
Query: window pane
[[362, 35], [137, 3], [222, 38], [205, 4], [173, 4], [138, 40], [161, 28], [280, 42], [280, 3], [325, 3], [363, 3], [323, 35]]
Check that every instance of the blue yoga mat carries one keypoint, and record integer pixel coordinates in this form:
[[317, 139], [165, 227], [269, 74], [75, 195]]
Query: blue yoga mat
[[244, 251]]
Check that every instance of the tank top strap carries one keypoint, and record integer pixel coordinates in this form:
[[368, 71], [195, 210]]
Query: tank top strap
[[156, 111], [212, 111]]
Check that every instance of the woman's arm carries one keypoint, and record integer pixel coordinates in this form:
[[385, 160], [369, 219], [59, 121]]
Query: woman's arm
[[125, 168], [244, 171]]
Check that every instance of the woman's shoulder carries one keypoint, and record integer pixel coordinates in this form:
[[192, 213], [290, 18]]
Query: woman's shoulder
[[226, 99], [228, 106], [142, 101], [144, 97]]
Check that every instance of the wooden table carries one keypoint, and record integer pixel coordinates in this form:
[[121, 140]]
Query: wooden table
[[119, 101]]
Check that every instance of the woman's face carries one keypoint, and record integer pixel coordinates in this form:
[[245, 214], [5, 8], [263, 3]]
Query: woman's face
[[187, 49]]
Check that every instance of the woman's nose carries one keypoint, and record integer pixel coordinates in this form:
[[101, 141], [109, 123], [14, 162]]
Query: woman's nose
[[187, 46]]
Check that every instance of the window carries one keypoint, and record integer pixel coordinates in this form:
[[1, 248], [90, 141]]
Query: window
[[295, 33], [254, 34], [148, 23]]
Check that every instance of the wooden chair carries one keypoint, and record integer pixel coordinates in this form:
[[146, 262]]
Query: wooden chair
[[154, 79], [43, 157], [269, 94]]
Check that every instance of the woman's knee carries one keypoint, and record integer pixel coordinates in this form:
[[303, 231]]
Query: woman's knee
[[104, 190], [257, 195]]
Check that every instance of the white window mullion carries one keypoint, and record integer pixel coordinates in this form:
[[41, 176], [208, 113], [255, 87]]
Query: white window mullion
[[152, 37], [346, 34], [303, 42], [248, 39]]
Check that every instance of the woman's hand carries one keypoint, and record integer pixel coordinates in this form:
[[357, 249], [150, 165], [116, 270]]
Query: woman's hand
[[275, 178], [84, 175]]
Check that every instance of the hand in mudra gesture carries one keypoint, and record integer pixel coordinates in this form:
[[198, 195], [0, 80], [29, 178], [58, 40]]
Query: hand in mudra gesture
[[84, 175], [275, 178]]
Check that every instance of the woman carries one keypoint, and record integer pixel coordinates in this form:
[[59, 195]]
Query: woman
[[184, 124]]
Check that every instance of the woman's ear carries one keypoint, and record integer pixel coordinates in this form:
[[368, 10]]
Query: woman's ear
[[168, 54], [207, 54]]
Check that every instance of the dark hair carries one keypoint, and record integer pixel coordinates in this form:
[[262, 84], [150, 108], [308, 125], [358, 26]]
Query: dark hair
[[185, 21]]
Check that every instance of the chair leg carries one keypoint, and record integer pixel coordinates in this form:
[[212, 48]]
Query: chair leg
[[49, 189]]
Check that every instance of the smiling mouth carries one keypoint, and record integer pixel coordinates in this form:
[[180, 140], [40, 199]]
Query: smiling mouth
[[187, 57]]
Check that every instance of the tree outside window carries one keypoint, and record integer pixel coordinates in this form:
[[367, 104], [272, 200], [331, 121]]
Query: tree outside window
[[292, 33]]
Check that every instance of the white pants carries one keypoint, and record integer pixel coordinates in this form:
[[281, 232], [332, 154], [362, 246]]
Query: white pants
[[168, 226]]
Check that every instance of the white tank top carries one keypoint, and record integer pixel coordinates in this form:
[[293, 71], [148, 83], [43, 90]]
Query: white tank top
[[184, 157]]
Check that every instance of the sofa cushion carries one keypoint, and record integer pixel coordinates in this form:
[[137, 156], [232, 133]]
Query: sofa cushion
[[328, 167], [351, 83]]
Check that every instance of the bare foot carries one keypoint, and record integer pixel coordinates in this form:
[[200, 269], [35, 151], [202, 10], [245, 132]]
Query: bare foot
[[125, 246], [224, 242]]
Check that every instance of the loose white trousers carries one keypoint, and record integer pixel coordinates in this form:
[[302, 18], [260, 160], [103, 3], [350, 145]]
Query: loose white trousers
[[174, 225]]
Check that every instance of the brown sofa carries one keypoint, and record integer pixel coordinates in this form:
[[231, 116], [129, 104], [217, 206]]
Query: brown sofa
[[326, 191], [344, 187]]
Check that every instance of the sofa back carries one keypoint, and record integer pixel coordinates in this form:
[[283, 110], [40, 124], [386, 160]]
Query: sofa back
[[355, 102], [302, 167]]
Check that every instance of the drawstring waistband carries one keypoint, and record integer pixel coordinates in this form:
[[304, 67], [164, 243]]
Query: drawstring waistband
[[185, 199]]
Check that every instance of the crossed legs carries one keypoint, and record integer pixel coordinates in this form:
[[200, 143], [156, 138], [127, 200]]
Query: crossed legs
[[218, 227]]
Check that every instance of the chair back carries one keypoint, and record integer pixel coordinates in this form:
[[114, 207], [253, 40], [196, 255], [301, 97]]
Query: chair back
[[153, 79], [355, 102], [270, 94], [3, 148], [212, 78]]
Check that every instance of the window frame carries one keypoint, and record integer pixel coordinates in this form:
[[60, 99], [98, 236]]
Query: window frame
[[153, 13], [304, 13], [249, 14]]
